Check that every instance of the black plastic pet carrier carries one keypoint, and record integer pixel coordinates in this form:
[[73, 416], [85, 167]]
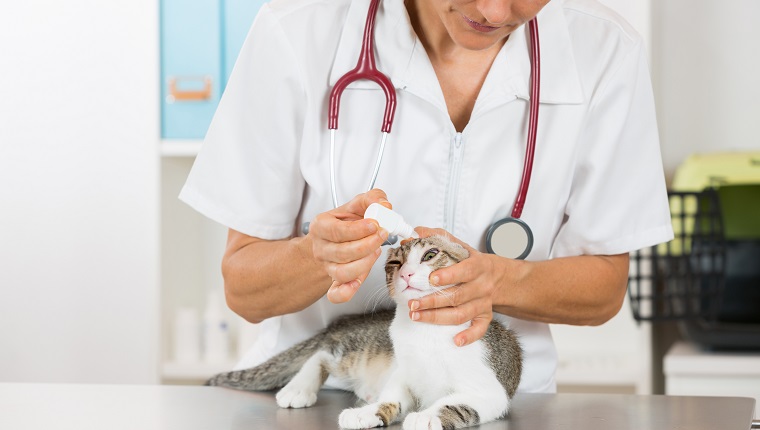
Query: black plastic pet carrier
[[708, 277]]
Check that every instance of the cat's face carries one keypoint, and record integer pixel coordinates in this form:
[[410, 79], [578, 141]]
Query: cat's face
[[409, 266]]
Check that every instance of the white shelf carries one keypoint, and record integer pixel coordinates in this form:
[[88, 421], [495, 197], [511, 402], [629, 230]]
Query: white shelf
[[600, 370], [193, 371], [180, 147], [688, 359], [693, 371]]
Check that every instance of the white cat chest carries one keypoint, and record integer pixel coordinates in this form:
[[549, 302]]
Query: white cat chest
[[692, 371]]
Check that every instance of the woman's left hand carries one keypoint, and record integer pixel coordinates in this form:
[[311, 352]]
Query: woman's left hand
[[477, 279]]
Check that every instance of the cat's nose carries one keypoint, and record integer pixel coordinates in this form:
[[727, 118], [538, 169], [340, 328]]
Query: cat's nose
[[407, 276]]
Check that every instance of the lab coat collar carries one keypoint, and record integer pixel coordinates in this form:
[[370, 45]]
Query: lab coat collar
[[401, 56]]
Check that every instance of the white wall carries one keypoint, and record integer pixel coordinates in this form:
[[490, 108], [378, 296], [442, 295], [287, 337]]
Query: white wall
[[705, 60], [706, 68], [79, 123]]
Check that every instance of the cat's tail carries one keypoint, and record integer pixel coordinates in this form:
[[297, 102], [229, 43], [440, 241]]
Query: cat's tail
[[273, 373]]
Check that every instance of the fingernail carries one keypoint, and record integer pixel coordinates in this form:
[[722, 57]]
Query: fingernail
[[383, 233], [414, 305], [434, 280], [378, 251], [460, 341], [355, 284], [371, 227], [415, 316]]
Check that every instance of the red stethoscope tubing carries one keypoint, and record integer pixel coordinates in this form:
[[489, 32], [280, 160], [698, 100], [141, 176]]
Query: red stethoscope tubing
[[366, 69], [535, 89]]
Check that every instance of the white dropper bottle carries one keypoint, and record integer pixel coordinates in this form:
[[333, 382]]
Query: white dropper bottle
[[390, 221]]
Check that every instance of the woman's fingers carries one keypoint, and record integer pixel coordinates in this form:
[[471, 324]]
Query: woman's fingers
[[347, 278], [346, 252], [347, 245], [469, 300], [476, 331], [478, 312], [357, 269], [341, 293], [339, 227], [346, 223], [427, 232], [455, 314], [359, 204]]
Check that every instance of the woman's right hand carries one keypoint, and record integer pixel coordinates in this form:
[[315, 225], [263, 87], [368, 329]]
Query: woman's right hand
[[347, 245]]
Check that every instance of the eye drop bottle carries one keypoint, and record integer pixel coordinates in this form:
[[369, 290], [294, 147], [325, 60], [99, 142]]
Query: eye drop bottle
[[392, 222], [215, 331]]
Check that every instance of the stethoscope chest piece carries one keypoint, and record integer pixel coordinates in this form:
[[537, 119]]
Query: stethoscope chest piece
[[511, 238]]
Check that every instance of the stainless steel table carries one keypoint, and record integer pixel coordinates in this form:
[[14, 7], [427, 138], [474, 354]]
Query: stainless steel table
[[115, 407]]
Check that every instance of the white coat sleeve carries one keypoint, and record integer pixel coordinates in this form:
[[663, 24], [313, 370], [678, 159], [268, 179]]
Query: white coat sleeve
[[247, 174], [618, 198]]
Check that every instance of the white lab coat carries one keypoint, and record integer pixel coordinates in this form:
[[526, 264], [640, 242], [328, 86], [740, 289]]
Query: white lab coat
[[597, 187]]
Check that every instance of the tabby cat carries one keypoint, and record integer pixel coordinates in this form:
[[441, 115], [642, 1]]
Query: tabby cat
[[399, 367]]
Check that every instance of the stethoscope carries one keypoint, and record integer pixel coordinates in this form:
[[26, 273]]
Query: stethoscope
[[508, 237]]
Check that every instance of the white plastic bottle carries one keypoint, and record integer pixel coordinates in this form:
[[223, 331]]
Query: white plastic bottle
[[187, 335], [216, 331], [390, 221]]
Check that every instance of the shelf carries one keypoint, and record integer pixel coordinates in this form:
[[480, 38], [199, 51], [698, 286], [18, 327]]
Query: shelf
[[688, 359], [193, 371], [180, 147], [607, 370]]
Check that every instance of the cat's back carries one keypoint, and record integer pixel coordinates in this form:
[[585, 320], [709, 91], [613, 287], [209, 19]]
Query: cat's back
[[364, 332], [504, 354]]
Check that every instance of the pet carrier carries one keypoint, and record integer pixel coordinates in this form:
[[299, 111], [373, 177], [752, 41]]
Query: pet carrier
[[708, 277]]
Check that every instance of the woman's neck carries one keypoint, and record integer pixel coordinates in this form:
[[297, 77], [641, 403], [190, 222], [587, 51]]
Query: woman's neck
[[435, 38], [460, 71]]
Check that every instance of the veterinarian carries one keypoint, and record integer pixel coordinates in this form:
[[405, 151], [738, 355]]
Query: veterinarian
[[453, 162]]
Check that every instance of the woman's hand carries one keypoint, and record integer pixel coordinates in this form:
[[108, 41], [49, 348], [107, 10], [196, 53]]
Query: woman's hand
[[347, 245], [477, 279]]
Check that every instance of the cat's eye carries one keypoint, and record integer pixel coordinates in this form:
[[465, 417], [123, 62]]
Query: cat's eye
[[393, 263], [429, 255]]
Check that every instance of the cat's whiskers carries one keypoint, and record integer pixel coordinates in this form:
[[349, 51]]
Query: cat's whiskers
[[443, 293], [374, 299]]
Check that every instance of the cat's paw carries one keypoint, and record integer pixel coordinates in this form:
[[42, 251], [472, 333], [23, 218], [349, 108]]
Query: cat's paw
[[360, 418], [422, 421], [291, 397]]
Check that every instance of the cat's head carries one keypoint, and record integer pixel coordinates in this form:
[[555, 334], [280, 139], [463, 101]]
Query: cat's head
[[409, 266]]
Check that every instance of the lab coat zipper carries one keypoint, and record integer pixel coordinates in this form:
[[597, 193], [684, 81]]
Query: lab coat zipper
[[452, 191]]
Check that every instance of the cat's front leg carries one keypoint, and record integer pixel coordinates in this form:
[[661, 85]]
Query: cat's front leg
[[301, 391], [459, 410], [447, 417], [394, 400], [379, 414]]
